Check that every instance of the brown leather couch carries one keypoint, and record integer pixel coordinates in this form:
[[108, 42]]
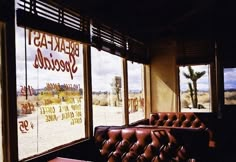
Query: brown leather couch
[[146, 144], [177, 120]]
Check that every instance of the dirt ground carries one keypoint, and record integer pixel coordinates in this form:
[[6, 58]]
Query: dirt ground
[[46, 135]]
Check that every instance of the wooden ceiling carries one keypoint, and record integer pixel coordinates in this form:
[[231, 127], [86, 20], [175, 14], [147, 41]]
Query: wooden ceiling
[[147, 20]]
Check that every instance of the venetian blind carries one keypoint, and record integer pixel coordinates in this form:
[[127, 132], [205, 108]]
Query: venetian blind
[[53, 19], [108, 39], [114, 42], [195, 52], [137, 52]]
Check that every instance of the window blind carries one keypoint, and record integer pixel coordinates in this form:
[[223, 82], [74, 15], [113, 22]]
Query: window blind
[[53, 19], [195, 52], [137, 52], [108, 39], [57, 20], [114, 42]]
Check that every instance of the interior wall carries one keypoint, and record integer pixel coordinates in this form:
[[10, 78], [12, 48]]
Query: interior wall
[[163, 76]]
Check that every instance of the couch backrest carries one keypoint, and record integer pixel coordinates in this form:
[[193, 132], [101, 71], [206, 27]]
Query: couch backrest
[[148, 144], [175, 119]]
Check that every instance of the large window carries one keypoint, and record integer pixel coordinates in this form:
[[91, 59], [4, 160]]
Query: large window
[[107, 88], [50, 80], [229, 86], [49, 91], [136, 91], [195, 88]]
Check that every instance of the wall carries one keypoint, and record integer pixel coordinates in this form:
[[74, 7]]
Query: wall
[[163, 76]]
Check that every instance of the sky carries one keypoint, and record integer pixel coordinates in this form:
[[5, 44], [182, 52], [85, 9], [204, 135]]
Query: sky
[[37, 77], [202, 83], [104, 67], [229, 78]]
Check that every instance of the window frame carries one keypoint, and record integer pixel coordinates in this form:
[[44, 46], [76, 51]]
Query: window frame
[[143, 87], [28, 79], [123, 73], [9, 90], [212, 86], [223, 90], [8, 71], [125, 92]]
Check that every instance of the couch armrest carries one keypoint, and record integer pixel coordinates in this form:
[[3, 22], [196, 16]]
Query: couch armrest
[[212, 140], [140, 122]]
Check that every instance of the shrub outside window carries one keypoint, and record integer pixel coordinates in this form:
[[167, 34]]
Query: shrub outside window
[[195, 88]]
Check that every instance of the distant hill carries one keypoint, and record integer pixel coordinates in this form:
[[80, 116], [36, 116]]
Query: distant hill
[[230, 90]]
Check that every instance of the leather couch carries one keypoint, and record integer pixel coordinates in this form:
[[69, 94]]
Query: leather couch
[[177, 120], [146, 144]]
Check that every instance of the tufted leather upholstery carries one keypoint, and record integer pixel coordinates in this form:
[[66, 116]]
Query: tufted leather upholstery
[[172, 119], [177, 120], [146, 144]]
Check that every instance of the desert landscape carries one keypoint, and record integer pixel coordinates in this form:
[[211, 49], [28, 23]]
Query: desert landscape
[[36, 134], [203, 102], [48, 120], [136, 100], [230, 97]]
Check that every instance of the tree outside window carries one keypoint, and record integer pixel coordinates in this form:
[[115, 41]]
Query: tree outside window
[[195, 88]]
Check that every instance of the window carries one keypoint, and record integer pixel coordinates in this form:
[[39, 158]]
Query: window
[[49, 91], [136, 91], [229, 86], [195, 88], [107, 88], [49, 71]]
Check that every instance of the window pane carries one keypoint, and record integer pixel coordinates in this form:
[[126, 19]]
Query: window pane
[[107, 88], [136, 91], [195, 88], [49, 91], [230, 86]]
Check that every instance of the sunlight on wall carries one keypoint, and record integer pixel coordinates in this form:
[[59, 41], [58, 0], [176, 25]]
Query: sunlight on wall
[[163, 77]]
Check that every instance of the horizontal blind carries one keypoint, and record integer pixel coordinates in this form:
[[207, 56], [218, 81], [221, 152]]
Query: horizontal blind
[[114, 42], [195, 52], [137, 52], [53, 19], [109, 40]]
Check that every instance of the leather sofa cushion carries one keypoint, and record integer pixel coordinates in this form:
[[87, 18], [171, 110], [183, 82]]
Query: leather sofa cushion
[[145, 144], [173, 119]]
